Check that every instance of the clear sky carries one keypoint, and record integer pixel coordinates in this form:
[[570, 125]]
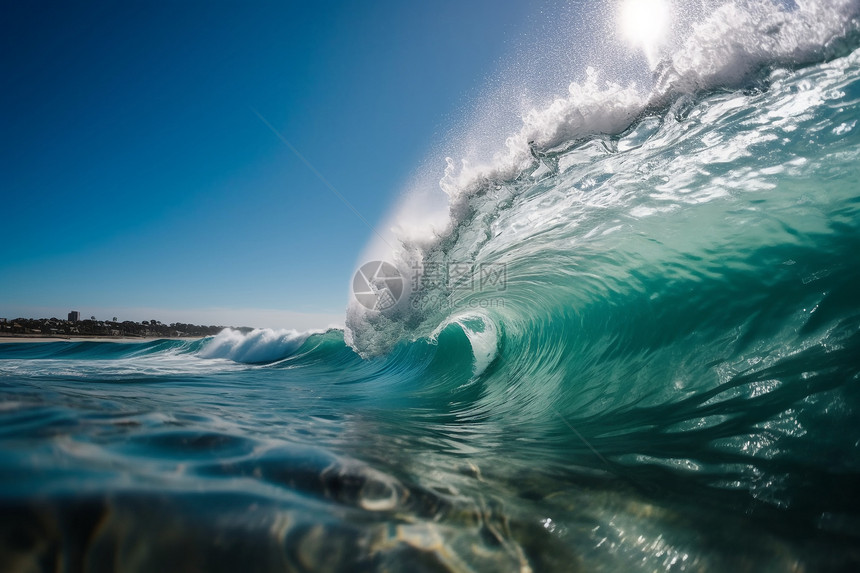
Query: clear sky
[[137, 181]]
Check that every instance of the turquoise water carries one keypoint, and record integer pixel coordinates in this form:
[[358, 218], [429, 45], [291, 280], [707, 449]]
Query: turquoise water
[[665, 377]]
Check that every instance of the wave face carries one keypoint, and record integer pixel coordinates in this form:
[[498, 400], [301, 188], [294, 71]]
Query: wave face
[[635, 346]]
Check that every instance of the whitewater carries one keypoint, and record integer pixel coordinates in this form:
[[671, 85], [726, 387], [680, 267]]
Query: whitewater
[[626, 337]]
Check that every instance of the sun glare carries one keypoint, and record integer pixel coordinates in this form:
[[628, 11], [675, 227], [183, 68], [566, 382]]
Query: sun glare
[[644, 22]]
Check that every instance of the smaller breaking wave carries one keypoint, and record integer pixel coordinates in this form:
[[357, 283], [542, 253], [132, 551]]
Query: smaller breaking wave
[[259, 346]]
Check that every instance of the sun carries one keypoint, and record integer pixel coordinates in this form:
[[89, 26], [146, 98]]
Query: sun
[[645, 23]]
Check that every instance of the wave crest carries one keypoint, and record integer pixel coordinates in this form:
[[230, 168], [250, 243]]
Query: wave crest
[[256, 347], [594, 136]]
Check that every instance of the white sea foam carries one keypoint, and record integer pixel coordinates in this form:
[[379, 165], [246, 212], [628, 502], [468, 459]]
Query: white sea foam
[[257, 346], [724, 50], [739, 38]]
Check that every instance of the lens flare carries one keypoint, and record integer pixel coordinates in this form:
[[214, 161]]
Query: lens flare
[[644, 23]]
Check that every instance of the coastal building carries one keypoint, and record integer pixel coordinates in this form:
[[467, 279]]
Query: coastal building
[[74, 316]]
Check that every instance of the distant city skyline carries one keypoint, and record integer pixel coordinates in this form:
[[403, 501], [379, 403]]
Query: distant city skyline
[[253, 317]]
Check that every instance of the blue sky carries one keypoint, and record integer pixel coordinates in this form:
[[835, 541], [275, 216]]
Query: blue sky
[[137, 181]]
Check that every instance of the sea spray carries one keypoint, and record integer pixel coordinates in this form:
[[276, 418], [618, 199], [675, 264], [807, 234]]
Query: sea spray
[[740, 45]]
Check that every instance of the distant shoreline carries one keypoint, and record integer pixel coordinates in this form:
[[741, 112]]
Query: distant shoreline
[[6, 337], [73, 328]]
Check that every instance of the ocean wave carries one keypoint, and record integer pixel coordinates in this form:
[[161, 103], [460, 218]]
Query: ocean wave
[[639, 331], [726, 100], [258, 346]]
